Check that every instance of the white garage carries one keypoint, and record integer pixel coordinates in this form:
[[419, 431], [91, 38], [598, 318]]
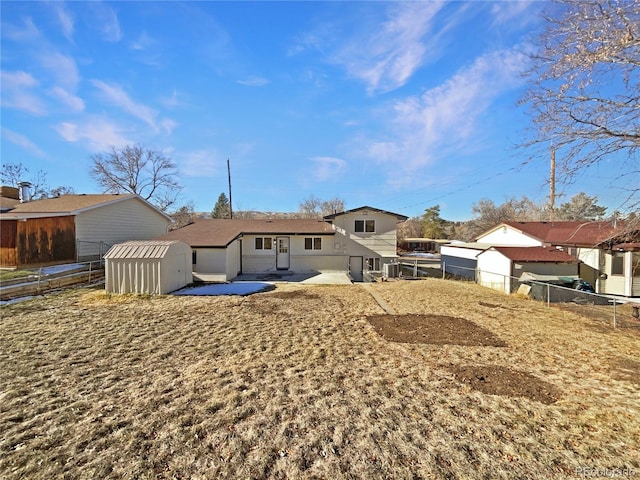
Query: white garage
[[151, 267]]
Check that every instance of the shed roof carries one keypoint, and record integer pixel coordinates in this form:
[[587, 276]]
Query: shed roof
[[142, 249], [535, 254], [220, 232]]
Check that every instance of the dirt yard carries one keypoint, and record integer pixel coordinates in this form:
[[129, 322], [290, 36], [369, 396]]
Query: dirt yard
[[315, 382]]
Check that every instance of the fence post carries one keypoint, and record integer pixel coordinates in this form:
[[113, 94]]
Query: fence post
[[90, 263], [444, 269], [548, 295], [615, 320], [415, 268]]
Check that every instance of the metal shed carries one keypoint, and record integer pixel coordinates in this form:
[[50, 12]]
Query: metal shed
[[151, 267]]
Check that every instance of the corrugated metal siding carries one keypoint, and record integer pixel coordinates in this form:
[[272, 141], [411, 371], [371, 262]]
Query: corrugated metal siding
[[148, 267], [141, 249]]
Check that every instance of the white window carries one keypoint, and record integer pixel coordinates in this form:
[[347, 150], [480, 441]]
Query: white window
[[373, 264], [617, 264]]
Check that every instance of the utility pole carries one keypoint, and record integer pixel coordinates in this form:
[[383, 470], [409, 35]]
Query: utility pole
[[552, 183], [230, 203]]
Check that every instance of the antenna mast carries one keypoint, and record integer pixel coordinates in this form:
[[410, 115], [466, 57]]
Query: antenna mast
[[230, 204]]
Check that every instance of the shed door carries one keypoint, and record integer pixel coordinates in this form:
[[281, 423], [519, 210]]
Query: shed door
[[282, 255]]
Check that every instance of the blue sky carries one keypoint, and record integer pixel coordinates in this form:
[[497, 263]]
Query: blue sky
[[400, 106]]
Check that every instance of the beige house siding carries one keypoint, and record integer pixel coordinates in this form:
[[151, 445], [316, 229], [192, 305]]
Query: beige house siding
[[210, 264], [613, 284], [380, 243], [301, 260], [129, 219]]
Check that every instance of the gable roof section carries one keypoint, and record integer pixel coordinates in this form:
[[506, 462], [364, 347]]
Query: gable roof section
[[140, 249], [400, 218], [535, 254], [564, 233], [220, 232], [73, 204]]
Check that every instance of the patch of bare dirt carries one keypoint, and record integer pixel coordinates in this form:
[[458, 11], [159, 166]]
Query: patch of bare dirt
[[497, 380], [626, 369], [434, 330]]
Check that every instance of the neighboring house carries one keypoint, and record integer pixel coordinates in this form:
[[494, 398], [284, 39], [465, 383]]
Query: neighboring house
[[606, 260], [356, 241], [498, 265], [73, 228], [416, 244]]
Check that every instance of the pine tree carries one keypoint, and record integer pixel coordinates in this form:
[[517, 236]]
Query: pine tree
[[222, 208]]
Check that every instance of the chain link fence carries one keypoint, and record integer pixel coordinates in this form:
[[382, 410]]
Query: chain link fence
[[605, 309]]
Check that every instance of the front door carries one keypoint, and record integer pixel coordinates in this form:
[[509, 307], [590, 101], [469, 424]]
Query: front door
[[282, 254]]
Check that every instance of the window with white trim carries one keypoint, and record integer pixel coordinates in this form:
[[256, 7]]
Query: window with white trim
[[373, 264], [617, 264]]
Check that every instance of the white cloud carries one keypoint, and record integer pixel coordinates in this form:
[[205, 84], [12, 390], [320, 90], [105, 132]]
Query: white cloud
[[24, 33], [62, 67], [96, 132], [22, 141], [65, 19], [118, 97], [447, 117], [106, 21], [254, 82], [201, 163], [387, 59], [17, 93], [69, 100], [327, 168]]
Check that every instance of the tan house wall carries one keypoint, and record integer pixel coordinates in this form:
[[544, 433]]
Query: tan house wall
[[130, 219]]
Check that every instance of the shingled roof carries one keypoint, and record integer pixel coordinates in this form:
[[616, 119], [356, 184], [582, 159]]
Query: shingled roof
[[217, 232], [569, 232], [72, 204]]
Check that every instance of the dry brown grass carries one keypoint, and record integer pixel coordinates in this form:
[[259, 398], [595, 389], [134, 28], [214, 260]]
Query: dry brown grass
[[297, 383]]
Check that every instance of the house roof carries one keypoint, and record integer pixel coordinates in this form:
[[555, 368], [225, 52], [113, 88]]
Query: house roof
[[535, 254], [142, 249], [400, 218], [72, 204], [566, 233], [221, 232]]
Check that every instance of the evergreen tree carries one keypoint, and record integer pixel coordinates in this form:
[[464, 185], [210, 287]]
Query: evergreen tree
[[222, 208]]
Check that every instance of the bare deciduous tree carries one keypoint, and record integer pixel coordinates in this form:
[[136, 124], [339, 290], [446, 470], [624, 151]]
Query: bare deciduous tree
[[585, 90], [14, 173], [136, 169]]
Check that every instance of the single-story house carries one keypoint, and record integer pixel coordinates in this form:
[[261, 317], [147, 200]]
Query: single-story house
[[357, 241], [72, 228], [497, 266], [147, 267], [609, 253]]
